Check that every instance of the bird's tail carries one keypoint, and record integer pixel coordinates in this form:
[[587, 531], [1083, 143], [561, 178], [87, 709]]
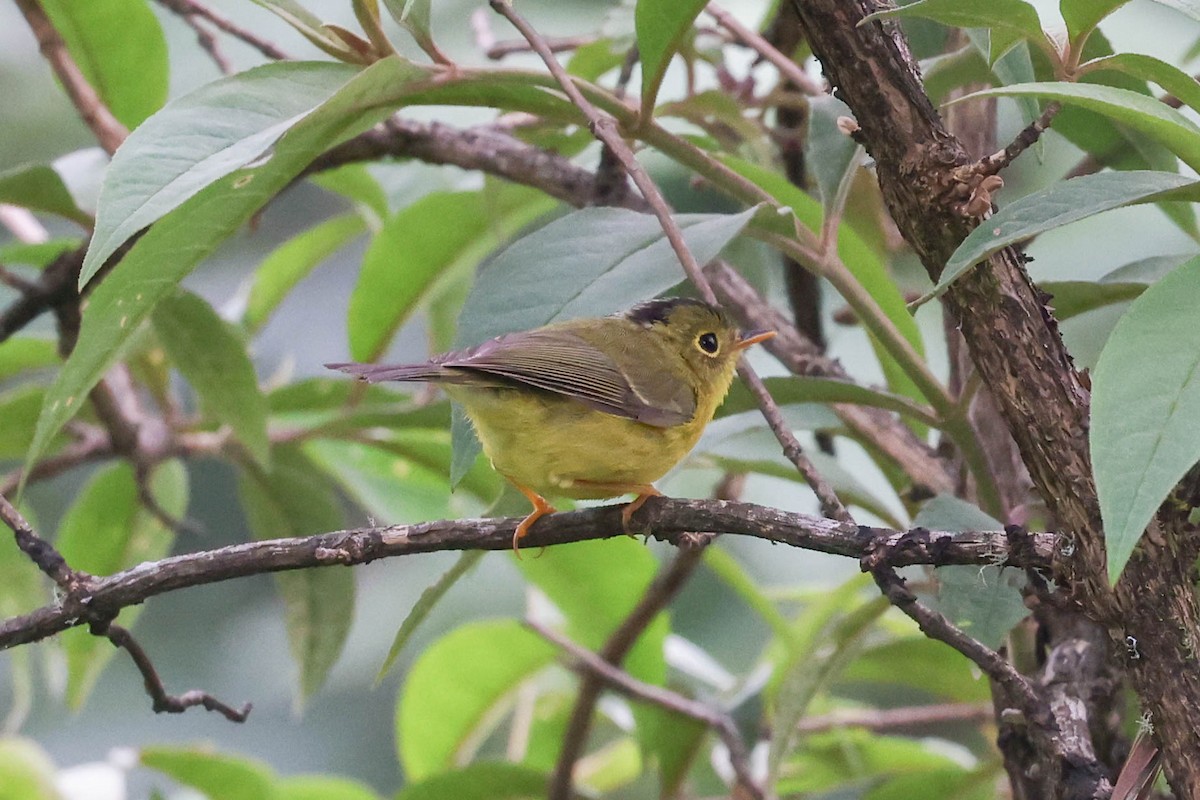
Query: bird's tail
[[374, 373]]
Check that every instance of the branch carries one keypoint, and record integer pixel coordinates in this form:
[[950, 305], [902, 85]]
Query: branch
[[589, 663], [193, 8], [663, 518], [788, 69], [108, 129], [888, 719]]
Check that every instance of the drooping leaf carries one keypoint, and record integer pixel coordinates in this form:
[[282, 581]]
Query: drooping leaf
[[1145, 403], [417, 249], [39, 187], [930, 666], [291, 263], [425, 603], [483, 780], [218, 776], [660, 25], [173, 246], [294, 499], [214, 360], [320, 787], [119, 47], [803, 389], [1058, 205], [985, 602], [103, 532], [1008, 21], [1143, 114], [1147, 68], [1082, 16], [324, 37], [1072, 298], [454, 686]]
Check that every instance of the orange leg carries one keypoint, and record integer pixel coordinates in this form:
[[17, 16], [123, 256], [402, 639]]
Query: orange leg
[[644, 492], [540, 509]]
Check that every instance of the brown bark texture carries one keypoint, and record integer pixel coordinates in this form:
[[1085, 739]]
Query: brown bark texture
[[1151, 616]]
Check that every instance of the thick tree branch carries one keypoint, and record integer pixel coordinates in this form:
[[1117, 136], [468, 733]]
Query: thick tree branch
[[663, 518]]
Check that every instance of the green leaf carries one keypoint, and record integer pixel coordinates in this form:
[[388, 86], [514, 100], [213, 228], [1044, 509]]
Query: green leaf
[[591, 262], [21, 353], [218, 776], [855, 757], [105, 531], [1147, 68], [26, 772], [480, 781], [732, 574], [291, 263], [425, 604], [37, 255], [660, 26], [119, 47], [425, 244], [312, 28], [831, 154], [320, 787], [1143, 114], [293, 499], [213, 358], [801, 389], [455, 685], [1145, 404], [355, 183], [171, 248], [1056, 206], [39, 187], [929, 665], [1008, 21], [1072, 298], [985, 602], [19, 409], [1082, 16]]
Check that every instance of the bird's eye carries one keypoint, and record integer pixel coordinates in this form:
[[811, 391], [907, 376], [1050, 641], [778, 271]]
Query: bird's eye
[[708, 342]]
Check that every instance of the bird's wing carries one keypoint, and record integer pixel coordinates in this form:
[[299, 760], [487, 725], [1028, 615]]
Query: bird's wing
[[561, 362]]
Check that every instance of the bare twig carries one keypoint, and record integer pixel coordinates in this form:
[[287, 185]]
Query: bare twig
[[788, 69], [208, 42], [892, 718], [163, 702], [604, 128], [990, 165], [621, 681], [656, 597], [194, 8], [108, 130], [664, 518], [40, 552]]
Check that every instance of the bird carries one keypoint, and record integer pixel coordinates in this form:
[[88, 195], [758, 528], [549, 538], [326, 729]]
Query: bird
[[589, 408]]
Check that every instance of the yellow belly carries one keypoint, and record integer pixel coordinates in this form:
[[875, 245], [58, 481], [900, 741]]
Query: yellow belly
[[556, 446]]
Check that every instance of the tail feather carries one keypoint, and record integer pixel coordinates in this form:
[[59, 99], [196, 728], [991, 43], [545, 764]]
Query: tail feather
[[374, 373]]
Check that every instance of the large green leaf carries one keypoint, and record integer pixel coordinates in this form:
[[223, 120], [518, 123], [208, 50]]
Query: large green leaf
[[213, 358], [1145, 406], [173, 246], [40, 188], [21, 353], [218, 776], [1008, 21], [105, 531], [483, 780], [1147, 68], [455, 686], [292, 261], [1082, 16], [660, 25], [422, 246], [119, 47], [1134, 110], [320, 787], [1058, 205], [294, 499]]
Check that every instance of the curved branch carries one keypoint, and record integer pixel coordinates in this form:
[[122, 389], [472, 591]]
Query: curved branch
[[663, 518]]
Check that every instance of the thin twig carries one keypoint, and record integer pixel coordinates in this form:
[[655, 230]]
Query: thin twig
[[656, 597], [892, 718], [990, 165], [14, 281], [108, 129], [208, 42], [621, 681], [788, 69], [557, 44], [604, 128], [187, 8], [663, 518], [163, 702], [40, 552]]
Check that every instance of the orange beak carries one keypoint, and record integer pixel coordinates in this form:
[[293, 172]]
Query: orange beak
[[753, 338]]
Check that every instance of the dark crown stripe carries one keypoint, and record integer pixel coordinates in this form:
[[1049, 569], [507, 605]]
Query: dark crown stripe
[[656, 311]]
